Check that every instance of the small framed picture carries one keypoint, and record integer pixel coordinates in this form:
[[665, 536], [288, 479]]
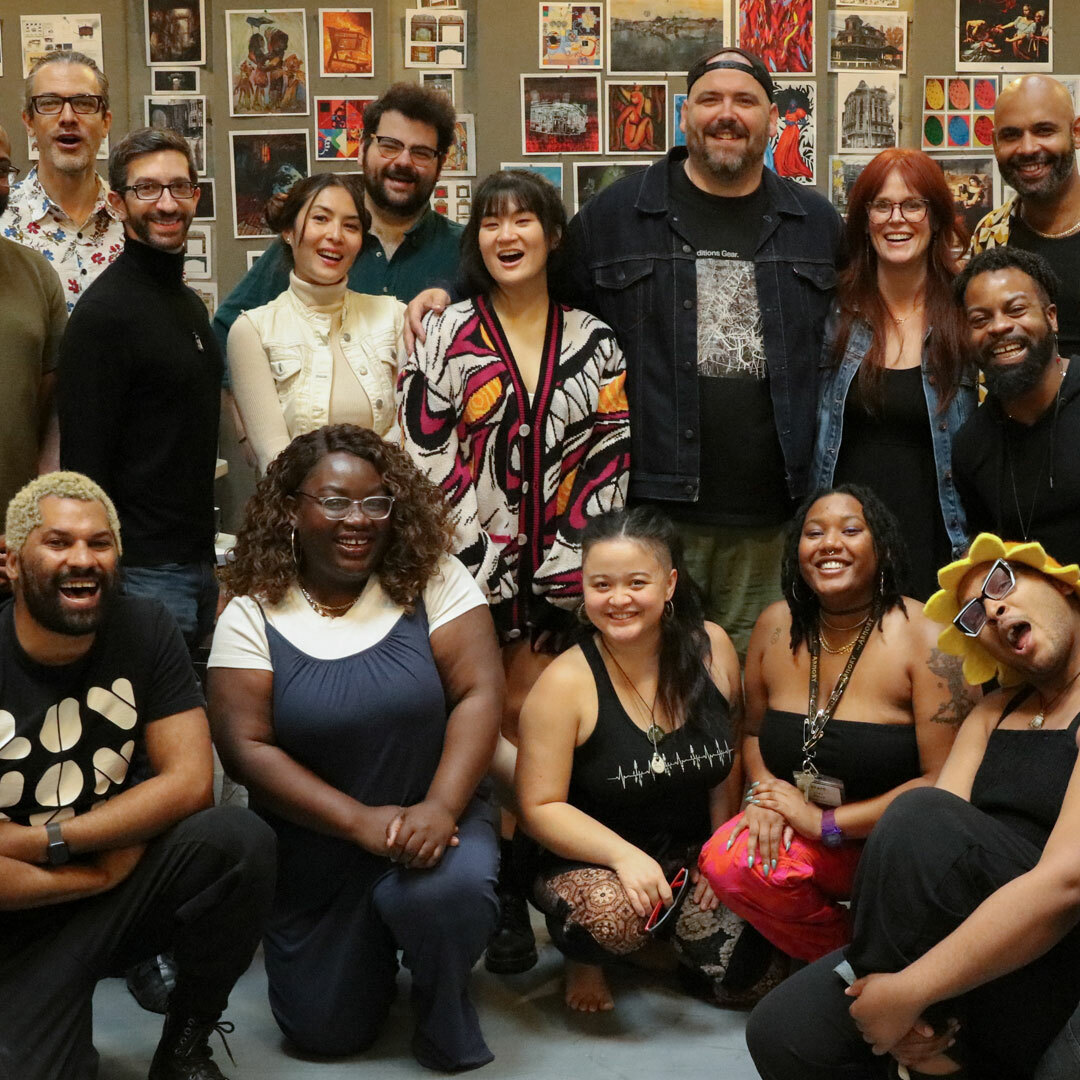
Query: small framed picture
[[207, 292], [442, 81], [197, 264], [206, 208], [461, 157], [176, 81], [252, 256], [184, 115]]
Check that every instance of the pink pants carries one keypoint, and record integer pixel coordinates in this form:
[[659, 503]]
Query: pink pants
[[796, 907]]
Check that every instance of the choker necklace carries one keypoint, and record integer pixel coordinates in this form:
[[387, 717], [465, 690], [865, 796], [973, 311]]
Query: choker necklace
[[853, 626], [655, 732], [1045, 706], [325, 610], [1072, 230]]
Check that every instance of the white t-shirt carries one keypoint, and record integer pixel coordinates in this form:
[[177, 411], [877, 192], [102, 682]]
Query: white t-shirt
[[240, 637]]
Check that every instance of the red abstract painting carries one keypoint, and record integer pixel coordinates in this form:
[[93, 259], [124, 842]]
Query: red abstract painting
[[781, 32]]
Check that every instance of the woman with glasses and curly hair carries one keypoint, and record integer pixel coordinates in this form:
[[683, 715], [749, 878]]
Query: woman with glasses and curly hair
[[355, 689]]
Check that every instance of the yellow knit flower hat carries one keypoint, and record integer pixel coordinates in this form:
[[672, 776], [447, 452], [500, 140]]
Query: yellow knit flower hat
[[944, 605]]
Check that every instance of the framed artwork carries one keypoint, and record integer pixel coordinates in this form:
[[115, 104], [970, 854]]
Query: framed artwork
[[958, 112], [175, 81], [453, 199], [636, 117], [843, 172], [792, 152], [436, 37], [347, 46], [252, 256], [867, 111], [184, 115], [442, 81], [570, 35], [461, 157], [174, 32], [560, 114], [549, 170], [268, 62], [40, 35], [974, 183], [264, 163], [206, 207], [207, 292], [1003, 35], [197, 265], [868, 3], [678, 136], [339, 127], [657, 37], [868, 41], [590, 178], [781, 32]]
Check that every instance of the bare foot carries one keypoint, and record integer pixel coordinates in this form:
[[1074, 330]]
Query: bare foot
[[587, 989]]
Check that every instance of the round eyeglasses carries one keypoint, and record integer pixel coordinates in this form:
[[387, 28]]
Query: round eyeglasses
[[391, 148], [338, 507], [911, 210]]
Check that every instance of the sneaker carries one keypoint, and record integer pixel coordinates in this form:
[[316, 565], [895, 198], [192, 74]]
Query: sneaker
[[184, 1050], [512, 948], [151, 981]]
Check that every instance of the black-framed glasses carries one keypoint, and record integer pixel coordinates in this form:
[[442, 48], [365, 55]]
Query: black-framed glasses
[[52, 104], [390, 148], [9, 172], [912, 210], [998, 584], [338, 507], [151, 190]]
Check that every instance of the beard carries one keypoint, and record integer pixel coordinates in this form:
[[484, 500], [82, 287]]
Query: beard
[[45, 603], [1007, 383], [726, 166], [140, 226], [1061, 166], [406, 206]]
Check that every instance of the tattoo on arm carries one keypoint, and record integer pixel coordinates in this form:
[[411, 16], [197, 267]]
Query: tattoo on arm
[[961, 699], [774, 637]]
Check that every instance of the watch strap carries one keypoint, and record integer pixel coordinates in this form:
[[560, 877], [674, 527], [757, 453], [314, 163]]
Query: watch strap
[[831, 833], [57, 850]]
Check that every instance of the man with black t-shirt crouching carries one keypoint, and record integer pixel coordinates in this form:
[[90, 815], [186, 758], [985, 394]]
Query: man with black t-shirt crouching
[[108, 851]]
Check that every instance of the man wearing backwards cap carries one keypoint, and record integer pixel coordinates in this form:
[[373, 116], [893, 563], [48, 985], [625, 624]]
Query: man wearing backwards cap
[[968, 896]]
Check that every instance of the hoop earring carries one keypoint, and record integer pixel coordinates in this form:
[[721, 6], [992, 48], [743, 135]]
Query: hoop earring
[[580, 615], [669, 610], [295, 547], [881, 583], [795, 588]]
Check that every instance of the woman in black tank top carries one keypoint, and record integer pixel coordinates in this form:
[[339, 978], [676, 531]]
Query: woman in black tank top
[[626, 742]]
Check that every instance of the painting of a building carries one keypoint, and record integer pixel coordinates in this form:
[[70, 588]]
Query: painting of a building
[[861, 45], [868, 122]]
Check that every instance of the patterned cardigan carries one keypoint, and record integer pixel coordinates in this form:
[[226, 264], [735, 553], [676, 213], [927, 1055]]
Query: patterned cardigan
[[522, 476]]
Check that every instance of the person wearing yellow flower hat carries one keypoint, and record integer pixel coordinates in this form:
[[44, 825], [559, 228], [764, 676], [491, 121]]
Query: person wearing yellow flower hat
[[965, 959]]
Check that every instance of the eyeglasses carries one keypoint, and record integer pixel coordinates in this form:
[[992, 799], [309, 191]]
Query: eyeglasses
[[391, 148], [912, 210], [338, 507], [52, 104], [998, 584], [151, 190], [8, 173]]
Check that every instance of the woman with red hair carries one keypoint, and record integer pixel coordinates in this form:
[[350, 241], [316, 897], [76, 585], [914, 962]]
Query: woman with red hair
[[896, 386]]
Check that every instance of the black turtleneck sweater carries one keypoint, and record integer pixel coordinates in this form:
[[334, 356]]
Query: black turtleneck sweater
[[139, 402]]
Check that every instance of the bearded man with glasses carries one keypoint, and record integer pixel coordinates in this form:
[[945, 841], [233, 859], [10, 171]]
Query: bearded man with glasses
[[61, 207]]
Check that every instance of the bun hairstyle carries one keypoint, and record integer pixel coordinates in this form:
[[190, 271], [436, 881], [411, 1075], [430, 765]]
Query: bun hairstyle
[[282, 215]]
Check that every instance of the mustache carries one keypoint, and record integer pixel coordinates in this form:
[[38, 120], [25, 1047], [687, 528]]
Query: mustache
[[727, 127], [401, 172]]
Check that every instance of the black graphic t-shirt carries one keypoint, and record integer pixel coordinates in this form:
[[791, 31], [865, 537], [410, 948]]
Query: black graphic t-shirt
[[72, 736], [742, 466]]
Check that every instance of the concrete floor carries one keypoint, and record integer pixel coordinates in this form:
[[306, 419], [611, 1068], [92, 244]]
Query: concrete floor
[[655, 1030]]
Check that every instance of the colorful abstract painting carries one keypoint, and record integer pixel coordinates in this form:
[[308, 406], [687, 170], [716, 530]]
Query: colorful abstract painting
[[637, 120], [781, 32]]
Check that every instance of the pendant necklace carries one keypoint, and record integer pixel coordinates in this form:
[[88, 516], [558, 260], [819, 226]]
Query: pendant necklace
[[1045, 706], [325, 610], [655, 732]]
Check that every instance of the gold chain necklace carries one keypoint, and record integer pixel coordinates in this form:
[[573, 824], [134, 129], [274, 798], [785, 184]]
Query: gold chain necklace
[[1072, 230], [325, 610], [843, 649]]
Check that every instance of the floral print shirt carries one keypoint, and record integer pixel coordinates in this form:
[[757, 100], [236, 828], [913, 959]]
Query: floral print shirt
[[77, 254]]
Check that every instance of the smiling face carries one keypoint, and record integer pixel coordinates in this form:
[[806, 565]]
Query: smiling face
[[339, 556], [163, 222], [401, 186], [836, 553], [326, 237], [513, 246], [898, 242], [626, 585], [68, 141]]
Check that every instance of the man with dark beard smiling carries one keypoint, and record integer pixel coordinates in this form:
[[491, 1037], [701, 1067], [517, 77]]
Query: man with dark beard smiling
[[1015, 459], [1036, 135]]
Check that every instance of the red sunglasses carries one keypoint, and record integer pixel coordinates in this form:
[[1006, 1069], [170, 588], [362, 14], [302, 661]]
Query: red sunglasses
[[660, 914]]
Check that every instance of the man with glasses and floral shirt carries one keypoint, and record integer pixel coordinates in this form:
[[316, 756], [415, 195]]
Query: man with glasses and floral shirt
[[61, 208]]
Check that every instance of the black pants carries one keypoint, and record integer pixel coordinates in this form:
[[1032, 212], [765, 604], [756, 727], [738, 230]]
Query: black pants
[[202, 889], [931, 860]]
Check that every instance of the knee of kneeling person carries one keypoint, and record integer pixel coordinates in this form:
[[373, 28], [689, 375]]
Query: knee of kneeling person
[[916, 809], [452, 901], [327, 1032]]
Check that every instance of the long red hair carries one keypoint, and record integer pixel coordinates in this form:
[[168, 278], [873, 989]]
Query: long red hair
[[858, 288]]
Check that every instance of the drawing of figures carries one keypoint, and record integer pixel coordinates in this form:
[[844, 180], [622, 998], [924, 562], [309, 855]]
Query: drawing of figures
[[794, 145], [268, 62], [637, 117]]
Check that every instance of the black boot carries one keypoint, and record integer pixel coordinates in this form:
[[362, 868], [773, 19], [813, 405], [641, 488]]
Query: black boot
[[151, 981], [184, 1050], [512, 948]]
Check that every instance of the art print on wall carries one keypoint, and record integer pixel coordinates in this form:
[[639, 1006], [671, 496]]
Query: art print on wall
[[174, 32], [678, 136], [184, 115], [867, 111], [974, 184], [347, 43], [590, 179], [453, 199], [207, 292], [868, 3], [436, 38], [781, 32], [339, 127], [843, 172], [552, 171], [1004, 35], [253, 255], [792, 152], [461, 157], [206, 207], [958, 112], [442, 82], [636, 117], [197, 260], [657, 37], [868, 41], [40, 35], [264, 163], [570, 35], [560, 114], [268, 62], [175, 81]]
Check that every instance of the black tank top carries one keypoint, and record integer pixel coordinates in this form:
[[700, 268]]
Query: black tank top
[[612, 781], [1024, 773]]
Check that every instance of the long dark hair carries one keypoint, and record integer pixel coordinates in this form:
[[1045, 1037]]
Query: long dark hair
[[685, 651], [889, 547]]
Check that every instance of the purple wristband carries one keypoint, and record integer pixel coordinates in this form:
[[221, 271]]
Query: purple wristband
[[832, 835]]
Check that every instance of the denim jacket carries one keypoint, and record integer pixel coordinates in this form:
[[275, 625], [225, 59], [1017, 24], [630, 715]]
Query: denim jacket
[[630, 264], [835, 383]]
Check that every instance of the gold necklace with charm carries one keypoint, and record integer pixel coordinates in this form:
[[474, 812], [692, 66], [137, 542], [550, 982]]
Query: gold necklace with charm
[[655, 732], [1045, 706], [325, 610]]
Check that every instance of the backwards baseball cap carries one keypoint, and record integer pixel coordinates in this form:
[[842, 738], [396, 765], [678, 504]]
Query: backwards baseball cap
[[750, 63]]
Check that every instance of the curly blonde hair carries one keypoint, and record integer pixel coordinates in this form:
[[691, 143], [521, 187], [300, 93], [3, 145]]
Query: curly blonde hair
[[24, 510], [261, 564]]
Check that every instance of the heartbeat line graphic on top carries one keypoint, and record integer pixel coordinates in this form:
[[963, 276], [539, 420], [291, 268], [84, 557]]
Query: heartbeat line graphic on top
[[694, 759]]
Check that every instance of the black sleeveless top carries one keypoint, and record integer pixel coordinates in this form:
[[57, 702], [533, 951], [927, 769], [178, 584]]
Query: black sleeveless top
[[611, 779], [1022, 779]]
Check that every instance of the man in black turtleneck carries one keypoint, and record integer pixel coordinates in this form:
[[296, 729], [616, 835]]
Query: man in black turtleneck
[[139, 388]]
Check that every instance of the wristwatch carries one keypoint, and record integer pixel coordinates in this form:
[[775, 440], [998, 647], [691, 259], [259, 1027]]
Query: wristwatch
[[832, 836], [57, 850]]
